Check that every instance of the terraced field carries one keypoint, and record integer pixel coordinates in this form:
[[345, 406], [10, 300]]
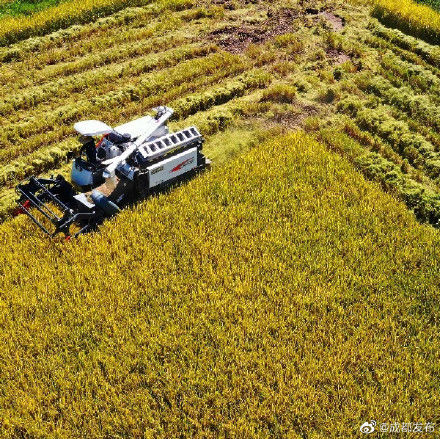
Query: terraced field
[[281, 294]]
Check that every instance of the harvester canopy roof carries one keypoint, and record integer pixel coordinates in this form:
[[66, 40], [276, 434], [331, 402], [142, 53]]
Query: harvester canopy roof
[[92, 128]]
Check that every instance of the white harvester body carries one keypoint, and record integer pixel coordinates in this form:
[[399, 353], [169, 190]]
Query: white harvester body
[[174, 167]]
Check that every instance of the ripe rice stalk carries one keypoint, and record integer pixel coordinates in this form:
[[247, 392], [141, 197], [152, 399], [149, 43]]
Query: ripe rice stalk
[[247, 307], [418, 20]]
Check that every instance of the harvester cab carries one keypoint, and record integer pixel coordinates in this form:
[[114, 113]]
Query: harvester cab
[[115, 167], [87, 169]]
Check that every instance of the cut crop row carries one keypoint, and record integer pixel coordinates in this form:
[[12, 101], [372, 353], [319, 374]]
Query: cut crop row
[[68, 41], [428, 52], [21, 123], [65, 15], [399, 71], [164, 80], [92, 80], [376, 144], [385, 47], [415, 148], [236, 88], [154, 38], [52, 75], [93, 58], [419, 107]]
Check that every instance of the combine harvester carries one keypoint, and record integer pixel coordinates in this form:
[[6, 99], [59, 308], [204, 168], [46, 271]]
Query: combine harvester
[[128, 164]]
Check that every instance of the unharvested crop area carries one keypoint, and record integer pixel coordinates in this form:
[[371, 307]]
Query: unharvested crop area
[[281, 294], [252, 302]]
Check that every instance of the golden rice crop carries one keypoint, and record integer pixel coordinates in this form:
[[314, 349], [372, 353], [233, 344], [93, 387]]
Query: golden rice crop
[[278, 296], [411, 17]]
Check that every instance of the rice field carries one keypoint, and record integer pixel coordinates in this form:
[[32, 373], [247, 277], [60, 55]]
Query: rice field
[[291, 291]]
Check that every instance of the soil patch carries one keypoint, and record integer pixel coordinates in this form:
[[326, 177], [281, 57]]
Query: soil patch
[[236, 39], [293, 119], [337, 56], [336, 22]]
